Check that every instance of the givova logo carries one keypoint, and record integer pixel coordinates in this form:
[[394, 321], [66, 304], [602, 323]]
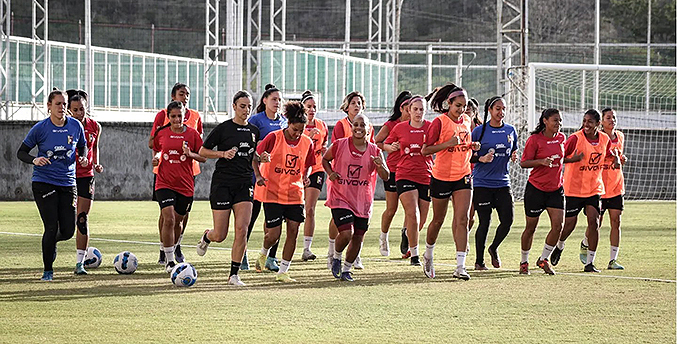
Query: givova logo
[[291, 160]]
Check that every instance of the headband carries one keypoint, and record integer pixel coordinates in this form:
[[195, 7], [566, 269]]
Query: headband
[[455, 94], [495, 100], [404, 103], [413, 99], [309, 96]]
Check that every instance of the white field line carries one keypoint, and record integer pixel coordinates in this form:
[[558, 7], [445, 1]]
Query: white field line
[[382, 260]]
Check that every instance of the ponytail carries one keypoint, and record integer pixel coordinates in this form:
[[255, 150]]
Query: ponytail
[[487, 105], [546, 114], [270, 88]]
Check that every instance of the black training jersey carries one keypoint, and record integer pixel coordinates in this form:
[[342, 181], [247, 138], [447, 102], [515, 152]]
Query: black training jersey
[[227, 135]]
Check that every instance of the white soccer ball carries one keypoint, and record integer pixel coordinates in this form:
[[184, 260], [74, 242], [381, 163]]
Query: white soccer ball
[[125, 263], [184, 275], [92, 258]]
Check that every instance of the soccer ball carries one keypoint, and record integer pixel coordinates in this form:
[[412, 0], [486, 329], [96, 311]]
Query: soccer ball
[[125, 263], [92, 258], [184, 275]]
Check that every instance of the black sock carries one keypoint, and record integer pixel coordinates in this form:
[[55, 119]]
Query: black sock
[[205, 239], [234, 267]]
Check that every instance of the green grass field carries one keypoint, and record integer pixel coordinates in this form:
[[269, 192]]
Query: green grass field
[[389, 302]]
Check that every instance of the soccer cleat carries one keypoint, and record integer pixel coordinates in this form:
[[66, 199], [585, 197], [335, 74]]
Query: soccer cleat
[[406, 255], [80, 269], [556, 254], [545, 265], [358, 263], [347, 276], [495, 260], [461, 273], [161, 260], [583, 254], [245, 263], [480, 267], [613, 265], [284, 277], [170, 266], [415, 261], [307, 255], [590, 268], [271, 264], [404, 244], [260, 262], [47, 276], [202, 245], [384, 246], [235, 280], [336, 267], [524, 269], [178, 255], [428, 268]]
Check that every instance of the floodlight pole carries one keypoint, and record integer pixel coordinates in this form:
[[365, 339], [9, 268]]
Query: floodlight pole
[[5, 10], [648, 58], [595, 96], [89, 65], [40, 53]]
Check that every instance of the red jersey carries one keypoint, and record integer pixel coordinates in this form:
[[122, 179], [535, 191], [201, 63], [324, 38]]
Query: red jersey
[[192, 119], [176, 172], [413, 165], [393, 158], [355, 189], [92, 138], [319, 142], [538, 146]]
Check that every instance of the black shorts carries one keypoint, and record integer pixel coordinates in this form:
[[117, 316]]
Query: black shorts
[[536, 200], [223, 196], [613, 203], [390, 185], [443, 189], [275, 213], [317, 180], [85, 187], [490, 197], [343, 217], [404, 185], [169, 197], [574, 205], [154, 180]]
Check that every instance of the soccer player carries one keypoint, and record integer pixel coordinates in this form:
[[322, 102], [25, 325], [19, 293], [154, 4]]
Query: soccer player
[[58, 137], [317, 130], [544, 154], [77, 106], [491, 178], [177, 145], [232, 189], [286, 157], [353, 178], [585, 153], [473, 111], [180, 93], [267, 119], [449, 139], [614, 187], [413, 171], [400, 113]]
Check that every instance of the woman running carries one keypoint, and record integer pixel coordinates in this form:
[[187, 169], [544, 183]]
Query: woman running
[[58, 137], [318, 132], [544, 155], [180, 93], [286, 157], [491, 178], [353, 104], [232, 188], [585, 153], [614, 187], [413, 171], [353, 178], [77, 105], [267, 119], [400, 114], [178, 145], [449, 139]]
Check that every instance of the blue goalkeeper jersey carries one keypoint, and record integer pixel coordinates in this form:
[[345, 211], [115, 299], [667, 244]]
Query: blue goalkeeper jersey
[[503, 141]]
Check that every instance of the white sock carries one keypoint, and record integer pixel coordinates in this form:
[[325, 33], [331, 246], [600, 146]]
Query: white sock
[[307, 241], [460, 259], [614, 252], [560, 245], [585, 241], [429, 250], [180, 238], [591, 256], [169, 253], [347, 266], [338, 255], [414, 251], [264, 251], [80, 256], [284, 266], [525, 256], [547, 250], [384, 236], [332, 243]]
